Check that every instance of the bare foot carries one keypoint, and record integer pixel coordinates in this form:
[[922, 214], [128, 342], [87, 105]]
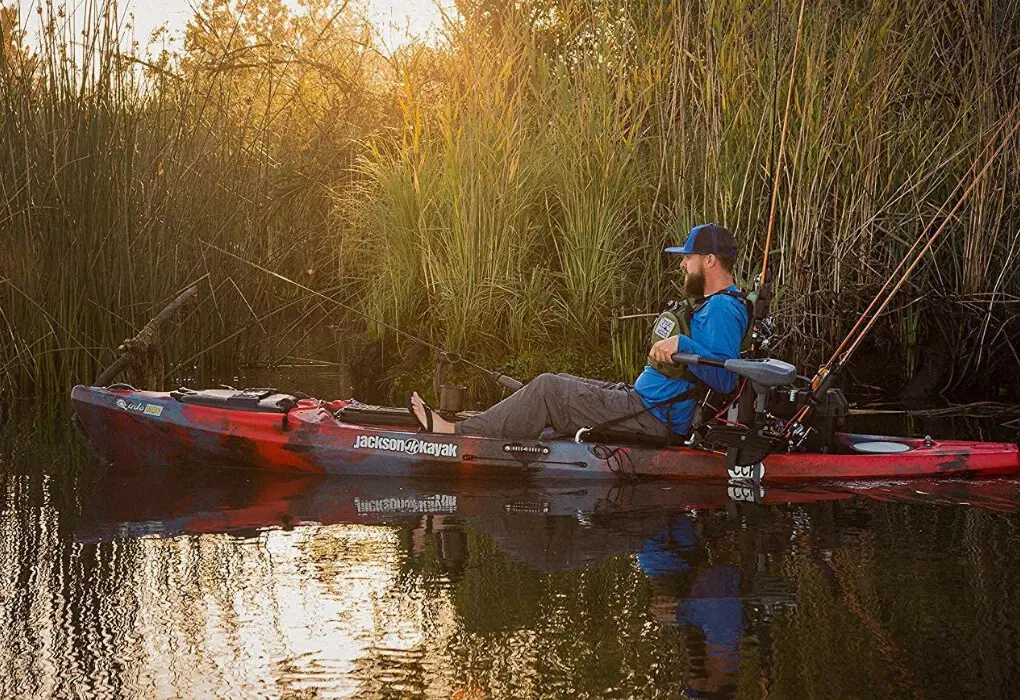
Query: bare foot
[[421, 411]]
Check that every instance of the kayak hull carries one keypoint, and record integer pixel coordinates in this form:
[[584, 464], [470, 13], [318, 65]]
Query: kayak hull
[[127, 426]]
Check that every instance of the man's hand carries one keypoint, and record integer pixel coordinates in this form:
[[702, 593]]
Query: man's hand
[[663, 349]]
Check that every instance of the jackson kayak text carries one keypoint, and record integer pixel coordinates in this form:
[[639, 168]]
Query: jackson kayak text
[[411, 447]]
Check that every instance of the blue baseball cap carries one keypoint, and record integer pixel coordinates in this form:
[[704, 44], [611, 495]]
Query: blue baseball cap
[[707, 239]]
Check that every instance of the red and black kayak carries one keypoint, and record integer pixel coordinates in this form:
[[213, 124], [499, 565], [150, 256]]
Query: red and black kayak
[[268, 430]]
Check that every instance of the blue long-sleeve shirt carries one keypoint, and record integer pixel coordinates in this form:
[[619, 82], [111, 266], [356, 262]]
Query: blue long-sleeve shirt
[[717, 330]]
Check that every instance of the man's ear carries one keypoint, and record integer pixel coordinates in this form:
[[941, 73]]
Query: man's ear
[[710, 260]]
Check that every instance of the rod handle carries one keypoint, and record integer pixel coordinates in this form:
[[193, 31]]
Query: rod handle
[[509, 382]]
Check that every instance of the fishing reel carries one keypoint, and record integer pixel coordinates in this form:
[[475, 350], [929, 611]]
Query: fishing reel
[[762, 420], [452, 397], [762, 332], [829, 412], [764, 325]]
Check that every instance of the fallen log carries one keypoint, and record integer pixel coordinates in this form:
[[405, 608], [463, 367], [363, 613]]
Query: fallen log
[[142, 351]]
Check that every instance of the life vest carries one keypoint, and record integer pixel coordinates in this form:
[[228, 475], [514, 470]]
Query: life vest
[[676, 319]]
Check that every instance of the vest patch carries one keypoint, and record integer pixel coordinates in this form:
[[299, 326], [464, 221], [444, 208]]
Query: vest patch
[[664, 327]]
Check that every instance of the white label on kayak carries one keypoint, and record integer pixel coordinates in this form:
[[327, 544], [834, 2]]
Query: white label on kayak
[[526, 449], [664, 327], [738, 473], [121, 403], [153, 410], [440, 503], [411, 447]]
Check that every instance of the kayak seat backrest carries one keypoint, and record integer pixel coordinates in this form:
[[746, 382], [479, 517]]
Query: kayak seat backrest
[[257, 400]]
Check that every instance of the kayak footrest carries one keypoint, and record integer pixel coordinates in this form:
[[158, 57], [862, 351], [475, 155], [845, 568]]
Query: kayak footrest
[[257, 400]]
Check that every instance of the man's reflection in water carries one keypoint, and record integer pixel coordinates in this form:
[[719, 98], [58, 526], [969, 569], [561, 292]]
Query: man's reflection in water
[[712, 603], [451, 543]]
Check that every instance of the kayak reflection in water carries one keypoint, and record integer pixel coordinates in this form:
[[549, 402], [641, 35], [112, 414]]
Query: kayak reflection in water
[[661, 403], [712, 603]]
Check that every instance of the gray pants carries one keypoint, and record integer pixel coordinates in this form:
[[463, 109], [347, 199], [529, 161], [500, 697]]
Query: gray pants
[[565, 403]]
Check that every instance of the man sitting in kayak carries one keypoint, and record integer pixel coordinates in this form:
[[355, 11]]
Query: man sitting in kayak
[[661, 403]]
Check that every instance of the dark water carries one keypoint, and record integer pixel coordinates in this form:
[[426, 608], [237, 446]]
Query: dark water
[[210, 582]]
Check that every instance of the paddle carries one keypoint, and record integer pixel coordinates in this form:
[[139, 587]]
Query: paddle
[[765, 372]]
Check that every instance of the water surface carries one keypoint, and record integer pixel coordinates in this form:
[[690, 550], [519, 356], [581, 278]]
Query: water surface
[[213, 582]]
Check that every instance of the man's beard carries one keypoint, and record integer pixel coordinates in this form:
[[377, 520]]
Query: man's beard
[[694, 284]]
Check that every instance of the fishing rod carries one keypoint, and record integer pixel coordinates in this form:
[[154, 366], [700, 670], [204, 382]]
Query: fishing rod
[[911, 255], [452, 358], [761, 298], [782, 150], [826, 374], [762, 322], [761, 310]]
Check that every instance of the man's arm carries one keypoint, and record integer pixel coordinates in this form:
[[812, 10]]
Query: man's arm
[[720, 340]]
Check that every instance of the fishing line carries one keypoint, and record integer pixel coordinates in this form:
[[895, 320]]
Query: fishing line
[[913, 256], [842, 358], [496, 376]]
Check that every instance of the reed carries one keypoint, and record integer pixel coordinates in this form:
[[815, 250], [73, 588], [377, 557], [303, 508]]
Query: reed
[[116, 175], [641, 122], [506, 194]]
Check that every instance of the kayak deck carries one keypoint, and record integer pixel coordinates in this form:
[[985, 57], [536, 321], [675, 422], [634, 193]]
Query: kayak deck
[[155, 428]]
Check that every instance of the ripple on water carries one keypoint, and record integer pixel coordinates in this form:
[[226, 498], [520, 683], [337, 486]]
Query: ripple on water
[[201, 586]]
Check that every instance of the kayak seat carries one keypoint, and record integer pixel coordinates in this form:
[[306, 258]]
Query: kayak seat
[[256, 400]]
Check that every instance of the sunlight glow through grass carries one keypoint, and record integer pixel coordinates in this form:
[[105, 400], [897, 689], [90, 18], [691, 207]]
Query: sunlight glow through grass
[[396, 22]]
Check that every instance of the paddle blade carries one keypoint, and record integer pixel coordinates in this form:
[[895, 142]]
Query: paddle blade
[[765, 372]]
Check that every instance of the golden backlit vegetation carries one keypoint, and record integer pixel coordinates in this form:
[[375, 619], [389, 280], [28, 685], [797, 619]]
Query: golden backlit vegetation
[[507, 192]]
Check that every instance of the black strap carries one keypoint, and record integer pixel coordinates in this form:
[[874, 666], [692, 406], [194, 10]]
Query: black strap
[[690, 393]]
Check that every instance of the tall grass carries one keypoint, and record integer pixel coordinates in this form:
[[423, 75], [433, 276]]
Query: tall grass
[[630, 123], [508, 193], [119, 181]]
